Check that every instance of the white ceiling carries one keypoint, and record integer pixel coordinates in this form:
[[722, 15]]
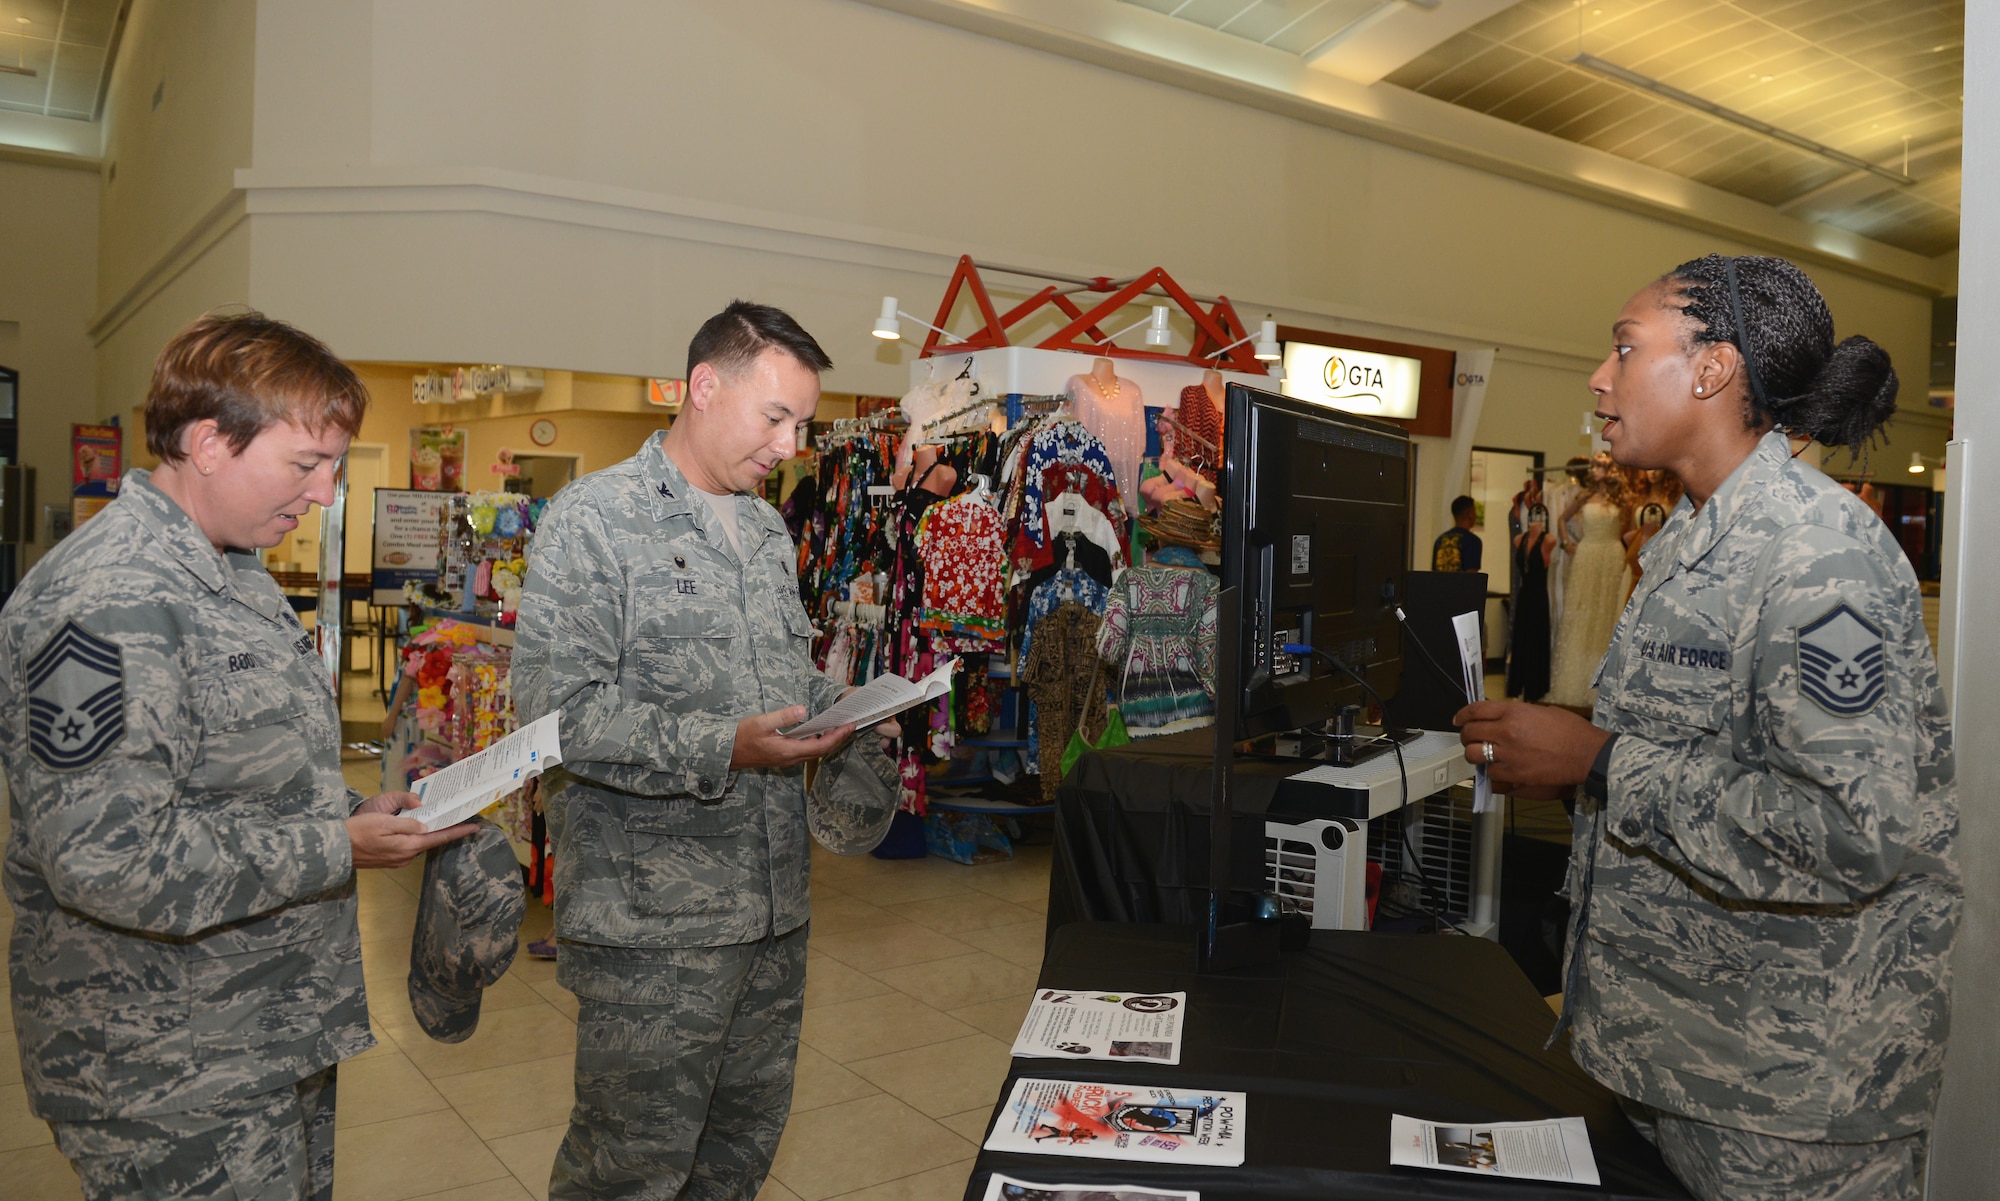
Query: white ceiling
[[68, 46], [1857, 76]]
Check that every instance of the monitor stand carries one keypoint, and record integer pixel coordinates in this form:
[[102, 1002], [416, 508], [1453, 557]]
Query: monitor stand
[[1330, 744]]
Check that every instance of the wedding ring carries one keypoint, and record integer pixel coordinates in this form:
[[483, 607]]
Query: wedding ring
[[1486, 749]]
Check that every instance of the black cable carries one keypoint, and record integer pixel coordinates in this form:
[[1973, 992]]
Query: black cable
[[1432, 659], [1441, 911]]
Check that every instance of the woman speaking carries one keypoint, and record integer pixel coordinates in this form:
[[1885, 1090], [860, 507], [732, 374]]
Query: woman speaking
[[1762, 878], [186, 962]]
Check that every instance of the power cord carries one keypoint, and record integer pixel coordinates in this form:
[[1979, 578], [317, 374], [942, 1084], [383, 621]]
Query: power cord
[[1456, 681], [1439, 912]]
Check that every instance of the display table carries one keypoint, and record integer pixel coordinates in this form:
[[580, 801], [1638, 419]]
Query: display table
[[1327, 1043]]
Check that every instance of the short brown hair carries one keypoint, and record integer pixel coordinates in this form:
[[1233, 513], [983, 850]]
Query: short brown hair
[[732, 339], [247, 372]]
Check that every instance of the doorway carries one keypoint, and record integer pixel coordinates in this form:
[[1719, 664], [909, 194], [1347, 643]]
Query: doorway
[[543, 475], [1494, 476]]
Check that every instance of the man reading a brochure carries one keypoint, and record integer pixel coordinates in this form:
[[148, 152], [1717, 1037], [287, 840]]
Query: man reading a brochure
[[661, 619]]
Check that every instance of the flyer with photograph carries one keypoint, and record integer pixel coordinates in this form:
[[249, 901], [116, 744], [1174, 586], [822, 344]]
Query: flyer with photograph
[[1551, 1149], [1121, 1121], [1006, 1188], [1102, 1025]]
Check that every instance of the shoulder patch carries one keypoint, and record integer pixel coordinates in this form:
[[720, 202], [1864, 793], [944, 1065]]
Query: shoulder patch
[[76, 699], [1843, 662]]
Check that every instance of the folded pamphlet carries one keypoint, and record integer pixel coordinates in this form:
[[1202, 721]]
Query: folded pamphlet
[[461, 790], [1006, 1188], [1121, 1121], [878, 700], [1066, 1024], [1551, 1149]]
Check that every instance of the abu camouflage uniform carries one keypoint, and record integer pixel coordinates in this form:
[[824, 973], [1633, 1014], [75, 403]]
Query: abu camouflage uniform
[[1766, 902], [680, 884], [185, 957]]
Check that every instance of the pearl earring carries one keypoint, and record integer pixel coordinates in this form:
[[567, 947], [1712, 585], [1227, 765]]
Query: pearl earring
[[1697, 391]]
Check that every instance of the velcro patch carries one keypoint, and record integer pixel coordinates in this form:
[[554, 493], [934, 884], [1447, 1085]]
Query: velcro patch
[[76, 699], [1843, 662]]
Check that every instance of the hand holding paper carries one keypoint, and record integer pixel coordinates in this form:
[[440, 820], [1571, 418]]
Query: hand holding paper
[[881, 698], [476, 781]]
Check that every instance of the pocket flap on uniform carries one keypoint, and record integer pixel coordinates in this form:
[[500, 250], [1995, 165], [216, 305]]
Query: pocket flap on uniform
[[685, 620], [1671, 928], [242, 700], [1685, 696], [796, 621], [689, 817]]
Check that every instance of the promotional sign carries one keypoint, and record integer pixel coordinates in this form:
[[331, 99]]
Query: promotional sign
[[94, 451], [437, 459], [1353, 381], [406, 541]]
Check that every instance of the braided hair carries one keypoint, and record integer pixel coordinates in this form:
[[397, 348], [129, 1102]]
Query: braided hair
[[1798, 379]]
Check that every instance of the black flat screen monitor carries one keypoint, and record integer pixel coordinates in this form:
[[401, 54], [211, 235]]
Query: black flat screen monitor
[[1315, 538]]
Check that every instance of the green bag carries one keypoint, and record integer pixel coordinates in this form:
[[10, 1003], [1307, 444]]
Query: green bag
[[1114, 735]]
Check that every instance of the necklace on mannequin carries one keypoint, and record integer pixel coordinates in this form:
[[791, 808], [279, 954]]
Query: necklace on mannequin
[[1106, 393]]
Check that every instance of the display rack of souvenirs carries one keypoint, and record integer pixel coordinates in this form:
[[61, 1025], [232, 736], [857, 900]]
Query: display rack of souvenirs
[[1000, 530], [483, 555]]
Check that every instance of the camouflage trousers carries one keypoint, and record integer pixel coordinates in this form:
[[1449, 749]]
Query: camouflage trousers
[[277, 1146], [1718, 1163], [683, 1068]]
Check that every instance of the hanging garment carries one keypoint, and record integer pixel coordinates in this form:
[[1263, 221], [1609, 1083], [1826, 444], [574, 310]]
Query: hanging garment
[[1593, 596], [1117, 418], [1528, 643], [1203, 422], [1069, 444], [964, 560], [1058, 676], [1158, 637], [1065, 585]]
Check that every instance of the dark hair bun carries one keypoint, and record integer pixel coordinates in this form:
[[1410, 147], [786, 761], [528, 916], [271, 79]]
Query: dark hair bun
[[1853, 396]]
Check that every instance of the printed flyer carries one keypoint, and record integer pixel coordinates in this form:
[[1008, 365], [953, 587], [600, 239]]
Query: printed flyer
[[1552, 1149], [1103, 1025], [1006, 1188], [1121, 1121]]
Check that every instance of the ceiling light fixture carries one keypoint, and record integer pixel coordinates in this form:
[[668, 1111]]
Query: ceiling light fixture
[[1267, 348], [1624, 75]]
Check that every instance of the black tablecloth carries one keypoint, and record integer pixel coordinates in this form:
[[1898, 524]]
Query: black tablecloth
[[1328, 1043], [1132, 826]]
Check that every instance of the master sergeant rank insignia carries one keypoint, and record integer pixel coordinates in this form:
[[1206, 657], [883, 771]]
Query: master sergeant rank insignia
[[1843, 663], [76, 699]]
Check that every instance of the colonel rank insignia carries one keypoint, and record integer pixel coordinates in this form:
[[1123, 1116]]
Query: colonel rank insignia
[[1842, 662], [76, 699]]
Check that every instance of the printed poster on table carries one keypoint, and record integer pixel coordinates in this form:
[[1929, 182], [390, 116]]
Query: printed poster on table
[[406, 541], [1121, 1121], [1006, 1188], [1069, 1024]]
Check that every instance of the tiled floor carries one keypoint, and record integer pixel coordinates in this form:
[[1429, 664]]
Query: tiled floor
[[918, 975]]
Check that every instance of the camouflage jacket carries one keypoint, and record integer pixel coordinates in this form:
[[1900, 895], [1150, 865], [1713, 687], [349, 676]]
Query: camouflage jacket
[[642, 626], [1772, 888], [183, 890]]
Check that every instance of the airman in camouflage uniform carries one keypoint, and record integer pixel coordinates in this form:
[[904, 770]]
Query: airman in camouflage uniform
[[1766, 899], [185, 963], [681, 898]]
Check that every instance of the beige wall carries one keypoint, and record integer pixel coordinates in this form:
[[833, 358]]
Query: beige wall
[[48, 269], [820, 154]]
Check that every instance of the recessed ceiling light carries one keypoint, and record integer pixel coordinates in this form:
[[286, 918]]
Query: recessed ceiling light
[[22, 21], [1939, 49]]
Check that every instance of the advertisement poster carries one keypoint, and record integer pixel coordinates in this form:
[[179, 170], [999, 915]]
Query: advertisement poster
[[437, 459], [94, 455], [1121, 1121], [406, 541]]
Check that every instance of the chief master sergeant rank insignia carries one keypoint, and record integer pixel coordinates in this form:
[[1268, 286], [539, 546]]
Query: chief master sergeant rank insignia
[[76, 699]]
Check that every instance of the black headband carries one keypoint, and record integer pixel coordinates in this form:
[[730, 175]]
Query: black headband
[[1743, 339]]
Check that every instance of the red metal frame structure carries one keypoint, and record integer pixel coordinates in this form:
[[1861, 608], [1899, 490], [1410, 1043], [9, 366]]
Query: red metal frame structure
[[1214, 327]]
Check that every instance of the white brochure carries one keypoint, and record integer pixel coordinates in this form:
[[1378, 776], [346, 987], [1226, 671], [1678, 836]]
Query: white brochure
[[1006, 1188], [1121, 1121], [1552, 1149], [1472, 657], [1063, 1024], [878, 700], [461, 790]]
